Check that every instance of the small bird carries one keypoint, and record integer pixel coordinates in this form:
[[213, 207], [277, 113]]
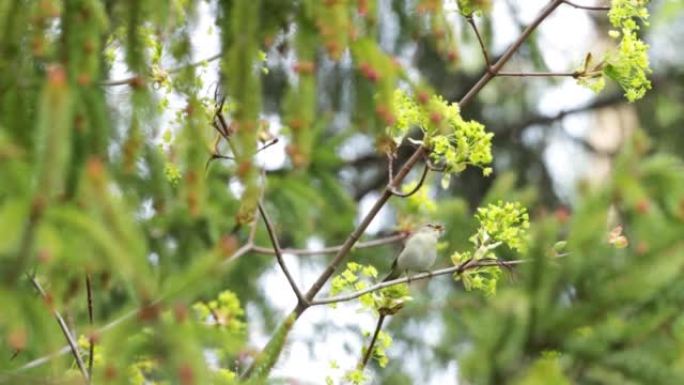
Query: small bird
[[419, 253]]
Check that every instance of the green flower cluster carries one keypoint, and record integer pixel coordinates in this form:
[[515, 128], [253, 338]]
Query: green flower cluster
[[500, 223], [358, 277], [628, 65], [224, 312], [505, 222], [455, 143], [483, 279]]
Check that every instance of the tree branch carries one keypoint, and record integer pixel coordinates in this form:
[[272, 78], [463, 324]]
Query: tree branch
[[468, 265], [333, 249], [278, 254], [371, 345], [538, 74], [471, 21], [91, 340], [131, 79], [356, 234], [493, 70], [400, 194], [73, 346], [586, 7], [274, 345], [605, 101]]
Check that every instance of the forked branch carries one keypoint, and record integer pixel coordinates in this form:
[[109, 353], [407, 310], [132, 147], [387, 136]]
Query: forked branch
[[279, 255]]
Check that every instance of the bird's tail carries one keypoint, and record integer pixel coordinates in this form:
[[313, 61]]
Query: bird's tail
[[394, 272]]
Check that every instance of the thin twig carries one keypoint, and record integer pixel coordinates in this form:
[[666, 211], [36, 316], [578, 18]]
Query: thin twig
[[278, 254], [73, 346], [494, 69], [468, 265], [371, 345], [587, 7], [471, 21], [129, 80], [267, 145], [400, 194], [91, 340], [538, 74], [433, 167], [333, 249], [27, 239]]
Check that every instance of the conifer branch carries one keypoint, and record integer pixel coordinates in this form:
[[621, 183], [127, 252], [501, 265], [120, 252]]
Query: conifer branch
[[246, 248]]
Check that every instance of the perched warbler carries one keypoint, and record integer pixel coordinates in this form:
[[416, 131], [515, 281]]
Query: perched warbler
[[419, 253]]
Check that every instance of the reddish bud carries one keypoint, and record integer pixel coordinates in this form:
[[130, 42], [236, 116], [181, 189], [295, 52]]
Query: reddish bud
[[298, 159], [44, 256], [83, 79], [192, 202], [296, 124], [89, 46], [333, 49], [304, 67], [110, 372], [423, 97], [189, 109], [642, 248], [642, 206], [362, 7], [93, 336], [95, 168], [180, 312], [227, 245], [17, 338], [562, 214], [385, 114], [137, 82], [38, 46], [56, 75], [369, 72], [435, 117], [149, 312], [186, 375], [244, 168]]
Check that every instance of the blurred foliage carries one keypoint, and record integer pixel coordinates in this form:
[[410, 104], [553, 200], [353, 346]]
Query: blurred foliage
[[135, 191]]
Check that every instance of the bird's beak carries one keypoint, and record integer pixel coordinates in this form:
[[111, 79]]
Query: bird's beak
[[439, 228]]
